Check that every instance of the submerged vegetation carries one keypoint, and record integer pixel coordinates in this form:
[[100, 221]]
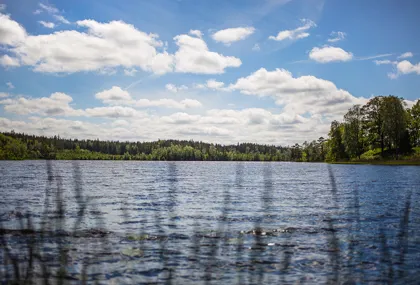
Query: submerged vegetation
[[379, 131]]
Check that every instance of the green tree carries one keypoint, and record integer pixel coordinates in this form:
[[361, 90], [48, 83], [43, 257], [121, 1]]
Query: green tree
[[373, 122], [414, 124], [353, 135], [394, 120], [336, 149]]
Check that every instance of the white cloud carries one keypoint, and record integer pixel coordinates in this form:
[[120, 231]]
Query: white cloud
[[174, 89], [300, 95], [3, 95], [55, 105], [215, 85], [118, 96], [256, 47], [50, 9], [298, 33], [112, 112], [329, 54], [61, 19], [49, 25], [400, 67], [115, 95], [120, 123], [53, 11], [193, 56], [11, 32], [372, 56], [337, 36], [168, 103], [2, 7], [10, 85], [180, 118], [196, 33], [392, 75], [205, 131], [406, 67], [406, 55], [228, 36], [386, 61], [103, 46], [130, 72], [6, 61]]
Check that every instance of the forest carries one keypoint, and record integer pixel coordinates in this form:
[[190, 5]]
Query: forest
[[383, 128]]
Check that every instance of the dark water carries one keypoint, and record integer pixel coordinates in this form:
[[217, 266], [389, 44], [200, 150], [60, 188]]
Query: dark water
[[209, 222]]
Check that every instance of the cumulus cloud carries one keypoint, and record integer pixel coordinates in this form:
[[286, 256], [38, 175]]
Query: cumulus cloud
[[115, 95], [298, 33], [406, 55], [58, 104], [228, 36], [215, 85], [102, 46], [336, 36], [3, 95], [403, 67], [55, 105], [11, 32], [193, 56], [8, 61], [49, 25], [180, 118], [329, 54], [217, 125], [118, 96], [2, 7], [298, 95], [406, 67]]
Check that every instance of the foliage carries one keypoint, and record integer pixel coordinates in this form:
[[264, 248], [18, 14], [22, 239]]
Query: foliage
[[40, 147], [413, 123], [382, 124]]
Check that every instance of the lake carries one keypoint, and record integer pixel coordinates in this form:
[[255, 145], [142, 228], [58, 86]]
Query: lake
[[133, 222]]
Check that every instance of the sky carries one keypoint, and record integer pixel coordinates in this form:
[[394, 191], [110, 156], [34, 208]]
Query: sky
[[264, 71]]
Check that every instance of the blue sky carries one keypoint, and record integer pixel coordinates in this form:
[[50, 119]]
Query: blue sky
[[267, 71]]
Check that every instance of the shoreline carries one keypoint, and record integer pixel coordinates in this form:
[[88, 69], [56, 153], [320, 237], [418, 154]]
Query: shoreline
[[381, 162], [370, 162]]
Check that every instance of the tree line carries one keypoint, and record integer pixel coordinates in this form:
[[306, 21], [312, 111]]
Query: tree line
[[381, 128], [23, 146]]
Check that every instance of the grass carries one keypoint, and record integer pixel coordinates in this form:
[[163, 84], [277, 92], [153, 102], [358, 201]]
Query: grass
[[373, 157]]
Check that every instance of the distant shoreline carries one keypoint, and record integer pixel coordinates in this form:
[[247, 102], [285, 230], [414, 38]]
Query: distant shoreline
[[380, 162], [372, 162]]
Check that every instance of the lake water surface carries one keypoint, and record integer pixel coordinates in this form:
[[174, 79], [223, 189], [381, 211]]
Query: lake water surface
[[210, 222]]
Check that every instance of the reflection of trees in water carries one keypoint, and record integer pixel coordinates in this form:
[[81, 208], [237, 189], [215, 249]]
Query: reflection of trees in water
[[43, 253]]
